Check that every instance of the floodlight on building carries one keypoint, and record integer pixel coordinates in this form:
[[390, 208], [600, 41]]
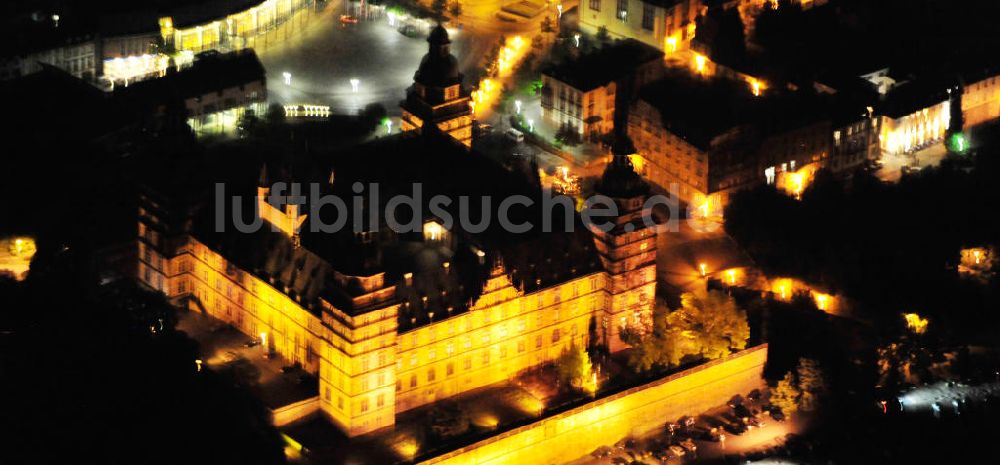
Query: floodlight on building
[[671, 44], [699, 63]]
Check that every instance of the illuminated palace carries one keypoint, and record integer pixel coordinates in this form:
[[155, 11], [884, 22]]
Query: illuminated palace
[[392, 320]]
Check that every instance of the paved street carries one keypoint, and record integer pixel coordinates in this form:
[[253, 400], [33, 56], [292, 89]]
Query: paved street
[[892, 168], [679, 254]]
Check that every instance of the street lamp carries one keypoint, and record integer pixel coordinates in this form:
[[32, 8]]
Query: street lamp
[[703, 268], [263, 343], [559, 7], [531, 125], [517, 105], [388, 126], [287, 77], [355, 82], [576, 37]]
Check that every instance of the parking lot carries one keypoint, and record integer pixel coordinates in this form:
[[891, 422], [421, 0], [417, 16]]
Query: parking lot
[[712, 437]]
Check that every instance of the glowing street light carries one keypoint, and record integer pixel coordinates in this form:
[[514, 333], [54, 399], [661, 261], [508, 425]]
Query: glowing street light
[[531, 125], [576, 37], [287, 77], [517, 105], [732, 277], [355, 83], [388, 125], [703, 268], [672, 44], [263, 343], [699, 63], [915, 323], [392, 18], [198, 363], [559, 8]]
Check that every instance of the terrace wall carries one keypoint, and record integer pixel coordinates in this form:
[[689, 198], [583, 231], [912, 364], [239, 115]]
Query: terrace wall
[[576, 432]]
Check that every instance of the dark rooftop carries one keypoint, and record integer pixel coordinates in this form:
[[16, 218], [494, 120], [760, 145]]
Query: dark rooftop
[[211, 72], [915, 95], [605, 65], [441, 167], [699, 110]]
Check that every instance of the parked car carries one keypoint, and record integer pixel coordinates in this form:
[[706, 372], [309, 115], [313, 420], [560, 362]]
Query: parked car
[[736, 428], [688, 445], [602, 452], [686, 422], [713, 435], [348, 19], [777, 414], [753, 422], [754, 395], [741, 411], [514, 135], [677, 451], [627, 443]]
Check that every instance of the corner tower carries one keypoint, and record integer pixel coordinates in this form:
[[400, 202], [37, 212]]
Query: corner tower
[[627, 250], [437, 97]]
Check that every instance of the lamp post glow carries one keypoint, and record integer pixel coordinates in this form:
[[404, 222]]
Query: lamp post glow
[[517, 106], [576, 37], [388, 126], [287, 77], [703, 268], [559, 8], [732, 277], [531, 125], [263, 343], [355, 84]]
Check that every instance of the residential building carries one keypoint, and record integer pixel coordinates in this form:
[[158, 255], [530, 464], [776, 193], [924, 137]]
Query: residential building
[[980, 97], [914, 115], [668, 25], [583, 94], [704, 138], [216, 90]]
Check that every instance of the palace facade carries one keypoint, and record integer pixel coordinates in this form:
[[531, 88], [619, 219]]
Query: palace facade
[[389, 320]]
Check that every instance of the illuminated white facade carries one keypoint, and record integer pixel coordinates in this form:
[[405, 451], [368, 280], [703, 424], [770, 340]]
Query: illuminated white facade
[[915, 130]]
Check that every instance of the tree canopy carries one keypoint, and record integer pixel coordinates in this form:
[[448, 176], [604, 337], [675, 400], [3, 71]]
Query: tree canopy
[[708, 325]]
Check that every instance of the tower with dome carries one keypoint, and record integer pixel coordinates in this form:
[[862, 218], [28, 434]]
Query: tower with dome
[[437, 100]]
